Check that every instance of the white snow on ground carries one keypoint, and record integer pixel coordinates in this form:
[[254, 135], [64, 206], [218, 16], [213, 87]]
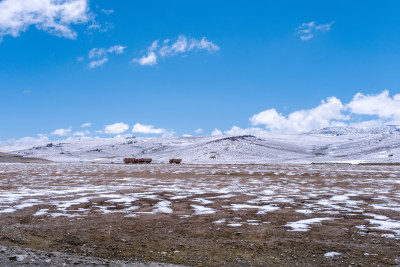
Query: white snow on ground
[[339, 198], [387, 207], [201, 210], [63, 205], [304, 211], [267, 208], [332, 254], [8, 210], [163, 207], [384, 223], [41, 212], [234, 224], [304, 225], [261, 209], [203, 201], [314, 193]]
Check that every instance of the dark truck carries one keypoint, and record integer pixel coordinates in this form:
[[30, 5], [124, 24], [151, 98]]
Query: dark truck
[[176, 161], [137, 161]]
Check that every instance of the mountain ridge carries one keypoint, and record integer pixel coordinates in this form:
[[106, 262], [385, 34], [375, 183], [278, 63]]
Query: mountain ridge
[[333, 144]]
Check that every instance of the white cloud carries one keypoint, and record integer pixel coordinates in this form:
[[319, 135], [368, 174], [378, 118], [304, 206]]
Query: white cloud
[[147, 60], [97, 52], [199, 130], [154, 46], [216, 132], [62, 132], [366, 124], [308, 30], [88, 124], [168, 134], [116, 49], [98, 27], [107, 11], [182, 45], [99, 56], [319, 117], [53, 16], [81, 133], [147, 129], [331, 112], [249, 131], [97, 63], [187, 135], [203, 44], [23, 143], [381, 105], [116, 128]]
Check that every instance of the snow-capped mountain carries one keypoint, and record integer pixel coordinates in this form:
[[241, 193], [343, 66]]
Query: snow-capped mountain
[[340, 130], [335, 144]]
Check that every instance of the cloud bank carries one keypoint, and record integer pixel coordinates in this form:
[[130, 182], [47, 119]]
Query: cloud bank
[[364, 110], [324, 115], [169, 49], [53, 16], [329, 113], [23, 143], [381, 105]]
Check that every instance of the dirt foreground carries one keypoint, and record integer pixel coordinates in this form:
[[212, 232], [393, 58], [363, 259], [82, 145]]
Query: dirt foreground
[[205, 215], [17, 256]]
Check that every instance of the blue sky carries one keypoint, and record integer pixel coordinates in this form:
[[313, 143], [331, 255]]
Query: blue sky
[[258, 66]]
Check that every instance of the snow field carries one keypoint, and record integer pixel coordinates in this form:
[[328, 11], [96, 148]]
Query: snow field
[[315, 194]]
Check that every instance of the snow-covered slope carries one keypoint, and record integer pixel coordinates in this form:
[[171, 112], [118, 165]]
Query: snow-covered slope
[[327, 145]]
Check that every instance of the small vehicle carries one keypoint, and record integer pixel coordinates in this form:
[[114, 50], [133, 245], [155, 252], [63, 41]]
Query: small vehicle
[[138, 161], [176, 161]]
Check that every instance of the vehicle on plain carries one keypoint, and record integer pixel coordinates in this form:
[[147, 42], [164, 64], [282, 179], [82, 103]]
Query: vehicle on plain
[[138, 161], [176, 161]]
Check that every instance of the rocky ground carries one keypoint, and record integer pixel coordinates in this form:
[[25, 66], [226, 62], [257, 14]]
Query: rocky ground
[[200, 215], [16, 256]]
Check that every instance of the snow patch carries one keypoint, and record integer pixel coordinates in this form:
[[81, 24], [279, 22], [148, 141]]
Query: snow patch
[[304, 225], [332, 254], [163, 207], [201, 210]]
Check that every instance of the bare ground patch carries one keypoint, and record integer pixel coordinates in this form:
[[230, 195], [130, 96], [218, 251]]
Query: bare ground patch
[[211, 215]]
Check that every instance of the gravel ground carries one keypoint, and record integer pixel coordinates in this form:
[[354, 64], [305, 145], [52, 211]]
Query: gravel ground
[[15, 256]]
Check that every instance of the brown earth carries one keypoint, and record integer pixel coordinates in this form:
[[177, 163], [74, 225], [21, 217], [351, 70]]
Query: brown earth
[[11, 158], [198, 240]]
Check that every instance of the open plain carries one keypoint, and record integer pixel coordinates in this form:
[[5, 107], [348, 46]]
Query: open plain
[[205, 214]]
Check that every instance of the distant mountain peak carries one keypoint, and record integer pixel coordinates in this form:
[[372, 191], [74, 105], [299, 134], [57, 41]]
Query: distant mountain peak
[[344, 130], [235, 138]]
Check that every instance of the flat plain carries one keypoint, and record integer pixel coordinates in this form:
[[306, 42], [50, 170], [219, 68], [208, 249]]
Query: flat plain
[[206, 214]]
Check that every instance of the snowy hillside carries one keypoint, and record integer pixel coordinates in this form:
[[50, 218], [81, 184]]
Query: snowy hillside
[[336, 144]]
